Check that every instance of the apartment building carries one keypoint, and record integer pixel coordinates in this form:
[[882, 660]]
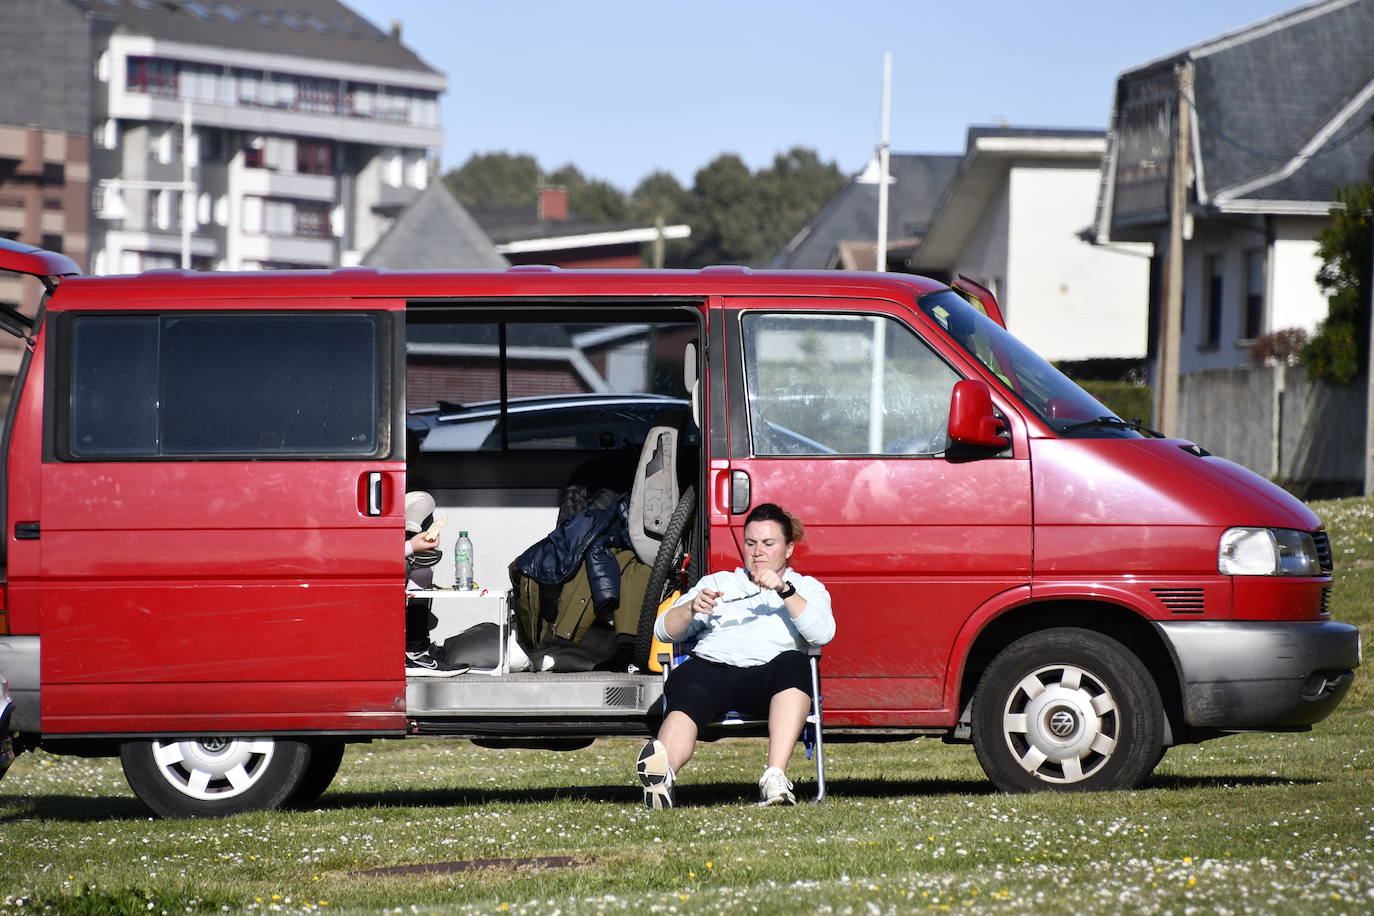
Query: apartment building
[[230, 135]]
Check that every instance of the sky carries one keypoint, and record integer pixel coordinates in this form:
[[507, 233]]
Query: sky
[[623, 88]]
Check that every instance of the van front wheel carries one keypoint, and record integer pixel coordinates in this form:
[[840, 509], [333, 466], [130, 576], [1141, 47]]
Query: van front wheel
[[214, 776], [1067, 709]]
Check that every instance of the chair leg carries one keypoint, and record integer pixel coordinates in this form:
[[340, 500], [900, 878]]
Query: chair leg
[[818, 729]]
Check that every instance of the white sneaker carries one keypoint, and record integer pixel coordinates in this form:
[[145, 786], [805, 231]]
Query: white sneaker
[[774, 788], [422, 664], [655, 775]]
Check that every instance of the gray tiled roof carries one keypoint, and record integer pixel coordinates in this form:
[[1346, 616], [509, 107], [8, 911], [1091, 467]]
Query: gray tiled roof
[[852, 214], [434, 232], [1267, 91], [1272, 93], [324, 29]]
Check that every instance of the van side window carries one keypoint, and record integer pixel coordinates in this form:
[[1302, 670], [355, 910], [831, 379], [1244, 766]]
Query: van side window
[[843, 384], [220, 385]]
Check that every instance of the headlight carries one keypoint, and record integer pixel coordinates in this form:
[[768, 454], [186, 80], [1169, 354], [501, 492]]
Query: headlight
[[1267, 552]]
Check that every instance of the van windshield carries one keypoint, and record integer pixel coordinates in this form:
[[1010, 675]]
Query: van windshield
[[1065, 407]]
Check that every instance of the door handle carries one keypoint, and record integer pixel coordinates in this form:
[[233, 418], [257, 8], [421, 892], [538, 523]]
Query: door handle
[[374, 493], [739, 492]]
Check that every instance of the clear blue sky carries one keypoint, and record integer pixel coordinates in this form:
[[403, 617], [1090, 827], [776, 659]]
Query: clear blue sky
[[621, 88]]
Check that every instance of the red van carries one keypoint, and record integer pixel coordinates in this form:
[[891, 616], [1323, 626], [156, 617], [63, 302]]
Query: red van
[[204, 478]]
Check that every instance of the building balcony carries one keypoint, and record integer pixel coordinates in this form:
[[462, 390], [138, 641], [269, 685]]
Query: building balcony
[[287, 249], [269, 183], [140, 106]]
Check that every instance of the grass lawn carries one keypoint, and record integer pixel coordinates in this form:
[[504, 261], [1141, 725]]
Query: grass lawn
[[1246, 824]]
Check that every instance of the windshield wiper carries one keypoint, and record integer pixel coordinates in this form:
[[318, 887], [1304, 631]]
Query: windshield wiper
[[1113, 423]]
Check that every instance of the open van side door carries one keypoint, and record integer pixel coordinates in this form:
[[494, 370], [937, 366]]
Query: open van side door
[[979, 295]]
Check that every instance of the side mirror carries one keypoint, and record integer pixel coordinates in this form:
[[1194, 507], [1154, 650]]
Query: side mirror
[[972, 419]]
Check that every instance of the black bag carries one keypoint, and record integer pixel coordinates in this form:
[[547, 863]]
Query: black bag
[[478, 646]]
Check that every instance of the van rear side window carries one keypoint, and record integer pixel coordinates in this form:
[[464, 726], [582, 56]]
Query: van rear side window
[[218, 385]]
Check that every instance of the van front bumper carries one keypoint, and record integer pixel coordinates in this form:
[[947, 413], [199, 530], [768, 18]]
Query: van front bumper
[[1261, 675]]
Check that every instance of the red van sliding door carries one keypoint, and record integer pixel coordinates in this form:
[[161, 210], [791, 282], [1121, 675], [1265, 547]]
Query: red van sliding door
[[220, 535], [839, 412]]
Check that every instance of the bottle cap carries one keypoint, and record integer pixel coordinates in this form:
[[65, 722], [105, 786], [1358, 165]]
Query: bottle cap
[[462, 534]]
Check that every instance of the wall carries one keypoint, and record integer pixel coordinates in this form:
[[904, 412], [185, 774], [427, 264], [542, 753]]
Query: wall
[[1295, 300], [1065, 298], [984, 257], [1306, 435], [1292, 298]]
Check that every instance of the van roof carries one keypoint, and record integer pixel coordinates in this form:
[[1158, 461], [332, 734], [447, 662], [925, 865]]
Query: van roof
[[524, 281]]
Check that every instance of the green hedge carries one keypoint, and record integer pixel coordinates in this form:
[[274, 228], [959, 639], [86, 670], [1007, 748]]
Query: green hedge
[[1126, 400]]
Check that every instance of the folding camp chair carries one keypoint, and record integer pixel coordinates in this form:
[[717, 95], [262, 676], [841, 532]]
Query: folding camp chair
[[811, 736]]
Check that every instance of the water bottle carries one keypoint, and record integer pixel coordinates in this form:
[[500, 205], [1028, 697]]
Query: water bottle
[[462, 561]]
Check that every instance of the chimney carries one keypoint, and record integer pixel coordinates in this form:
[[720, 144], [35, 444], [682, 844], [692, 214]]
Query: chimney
[[553, 204], [396, 29]]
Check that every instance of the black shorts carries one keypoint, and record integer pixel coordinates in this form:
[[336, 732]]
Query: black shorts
[[707, 690]]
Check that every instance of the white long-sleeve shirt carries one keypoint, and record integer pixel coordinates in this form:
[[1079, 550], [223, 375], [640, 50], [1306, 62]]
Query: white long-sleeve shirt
[[751, 626]]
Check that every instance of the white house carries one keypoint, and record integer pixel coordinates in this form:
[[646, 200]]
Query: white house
[[1013, 219], [1280, 115]]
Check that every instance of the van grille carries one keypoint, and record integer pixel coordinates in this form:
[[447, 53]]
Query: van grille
[[626, 696], [1181, 600], [1323, 550]]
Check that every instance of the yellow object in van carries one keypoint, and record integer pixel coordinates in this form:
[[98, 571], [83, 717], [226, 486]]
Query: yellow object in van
[[659, 647]]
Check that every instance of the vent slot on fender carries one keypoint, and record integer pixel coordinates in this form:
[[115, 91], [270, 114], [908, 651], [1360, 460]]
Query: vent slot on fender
[[1181, 600], [624, 697]]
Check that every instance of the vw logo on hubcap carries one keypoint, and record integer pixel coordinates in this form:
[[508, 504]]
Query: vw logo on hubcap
[[1062, 723]]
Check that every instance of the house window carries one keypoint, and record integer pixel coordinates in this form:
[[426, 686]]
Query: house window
[[1254, 293], [315, 157], [312, 221], [150, 75], [1211, 329], [317, 95]]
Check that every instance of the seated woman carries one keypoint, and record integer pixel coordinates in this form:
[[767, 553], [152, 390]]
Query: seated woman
[[752, 627]]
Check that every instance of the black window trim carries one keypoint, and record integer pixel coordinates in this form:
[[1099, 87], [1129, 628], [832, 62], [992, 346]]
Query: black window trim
[[57, 405]]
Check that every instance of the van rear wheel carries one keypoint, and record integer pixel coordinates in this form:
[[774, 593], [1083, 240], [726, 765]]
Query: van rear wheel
[[214, 776], [1067, 709]]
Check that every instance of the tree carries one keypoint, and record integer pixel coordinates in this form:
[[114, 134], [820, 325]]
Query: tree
[[739, 217], [1337, 352], [496, 180], [591, 199]]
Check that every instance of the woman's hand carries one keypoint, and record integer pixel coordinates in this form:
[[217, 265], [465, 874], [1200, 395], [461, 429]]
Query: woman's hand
[[705, 602], [766, 578]]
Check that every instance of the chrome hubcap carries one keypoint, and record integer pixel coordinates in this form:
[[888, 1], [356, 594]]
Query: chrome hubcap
[[1061, 723], [213, 768]]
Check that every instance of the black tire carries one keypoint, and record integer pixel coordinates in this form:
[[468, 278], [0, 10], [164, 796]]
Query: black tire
[[663, 574], [325, 757], [212, 776], [1094, 722]]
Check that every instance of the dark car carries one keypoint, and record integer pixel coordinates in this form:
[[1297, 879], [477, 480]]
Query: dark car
[[578, 421]]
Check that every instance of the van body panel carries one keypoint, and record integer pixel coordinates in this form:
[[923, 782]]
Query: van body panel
[[1155, 482], [234, 592]]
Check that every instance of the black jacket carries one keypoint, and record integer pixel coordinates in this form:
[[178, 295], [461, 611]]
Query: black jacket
[[591, 536]]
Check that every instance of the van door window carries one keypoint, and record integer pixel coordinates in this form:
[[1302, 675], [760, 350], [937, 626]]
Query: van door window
[[198, 385], [843, 384]]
